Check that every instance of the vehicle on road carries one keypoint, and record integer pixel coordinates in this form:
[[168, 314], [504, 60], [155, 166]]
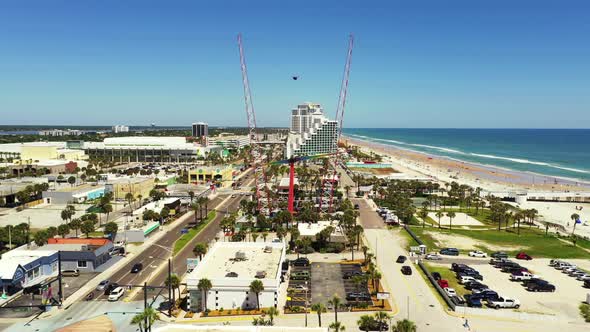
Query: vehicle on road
[[523, 255], [433, 257], [137, 267], [302, 261], [406, 270], [449, 251], [110, 287], [401, 259], [116, 294], [478, 253], [102, 285], [450, 291], [504, 303], [499, 254], [70, 273], [522, 276]]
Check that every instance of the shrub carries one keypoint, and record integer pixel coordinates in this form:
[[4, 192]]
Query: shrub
[[585, 311]]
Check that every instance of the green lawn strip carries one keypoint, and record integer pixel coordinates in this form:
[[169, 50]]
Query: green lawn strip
[[448, 275], [186, 238], [432, 289], [533, 241]]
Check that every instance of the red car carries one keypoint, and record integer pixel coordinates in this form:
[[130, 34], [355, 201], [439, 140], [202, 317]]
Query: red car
[[523, 255], [443, 283]]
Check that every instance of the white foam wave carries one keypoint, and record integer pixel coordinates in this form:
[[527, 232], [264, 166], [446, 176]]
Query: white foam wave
[[439, 148], [526, 161]]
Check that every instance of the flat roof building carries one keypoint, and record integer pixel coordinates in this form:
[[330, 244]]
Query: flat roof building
[[77, 194], [231, 267]]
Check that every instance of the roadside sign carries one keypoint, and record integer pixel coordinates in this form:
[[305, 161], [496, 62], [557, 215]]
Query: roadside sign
[[415, 249], [382, 296]]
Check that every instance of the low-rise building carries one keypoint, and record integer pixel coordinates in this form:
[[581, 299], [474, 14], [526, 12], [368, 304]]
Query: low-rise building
[[229, 141], [231, 267], [135, 185], [85, 255], [310, 230], [76, 194], [220, 175], [21, 267]]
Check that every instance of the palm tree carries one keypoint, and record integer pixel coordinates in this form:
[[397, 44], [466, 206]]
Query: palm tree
[[382, 317], [365, 322], [173, 281], [335, 302], [439, 215], [204, 286], [337, 327], [196, 207], [365, 249], [404, 325], [319, 308], [200, 249], [272, 312], [257, 287], [575, 218], [149, 315], [451, 215], [423, 214]]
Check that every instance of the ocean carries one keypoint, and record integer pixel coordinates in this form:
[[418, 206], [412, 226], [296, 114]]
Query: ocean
[[553, 152]]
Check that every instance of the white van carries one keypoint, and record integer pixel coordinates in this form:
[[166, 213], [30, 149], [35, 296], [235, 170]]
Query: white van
[[116, 294]]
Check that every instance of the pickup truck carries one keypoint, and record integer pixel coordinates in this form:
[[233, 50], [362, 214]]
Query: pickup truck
[[522, 276], [504, 303]]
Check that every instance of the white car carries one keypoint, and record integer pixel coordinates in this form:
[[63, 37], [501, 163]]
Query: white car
[[504, 303], [466, 279], [116, 294], [433, 257], [478, 253], [583, 277], [450, 291]]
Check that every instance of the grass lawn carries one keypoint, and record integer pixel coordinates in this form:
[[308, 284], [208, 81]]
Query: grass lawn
[[449, 275], [533, 241], [186, 238]]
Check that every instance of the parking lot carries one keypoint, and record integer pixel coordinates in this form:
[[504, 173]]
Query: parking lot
[[569, 292], [326, 280]]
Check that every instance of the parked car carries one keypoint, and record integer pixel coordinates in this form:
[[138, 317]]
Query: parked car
[[540, 286], [486, 294], [116, 294], [466, 279], [110, 287], [457, 267], [587, 283], [495, 261], [478, 253], [406, 270], [514, 269], [137, 267], [401, 259], [301, 261], [575, 273], [433, 257], [470, 273], [475, 286], [231, 275], [301, 275], [352, 274], [436, 276], [522, 276], [583, 277], [70, 273], [563, 265], [504, 303], [523, 255], [356, 296], [300, 288], [443, 283], [499, 254], [449, 251], [450, 291], [474, 302], [554, 262], [102, 285]]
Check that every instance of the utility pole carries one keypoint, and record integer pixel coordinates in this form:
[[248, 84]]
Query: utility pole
[[60, 290], [145, 306], [170, 287]]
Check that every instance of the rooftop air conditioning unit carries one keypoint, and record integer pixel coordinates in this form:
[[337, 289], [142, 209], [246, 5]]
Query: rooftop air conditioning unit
[[240, 255]]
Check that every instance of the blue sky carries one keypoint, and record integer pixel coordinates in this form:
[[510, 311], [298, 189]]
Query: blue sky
[[479, 64]]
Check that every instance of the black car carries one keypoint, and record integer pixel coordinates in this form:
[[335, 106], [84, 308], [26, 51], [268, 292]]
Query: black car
[[449, 251], [136, 268], [587, 283], [110, 287], [469, 273], [401, 259], [301, 261], [474, 302], [406, 270], [436, 276], [486, 294], [285, 265], [475, 286], [358, 297], [540, 287], [459, 267], [514, 270], [350, 275], [499, 254], [35, 289]]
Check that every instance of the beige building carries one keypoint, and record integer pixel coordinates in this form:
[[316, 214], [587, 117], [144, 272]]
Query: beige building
[[219, 174], [136, 186]]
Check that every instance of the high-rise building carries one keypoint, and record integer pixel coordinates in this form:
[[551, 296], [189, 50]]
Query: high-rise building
[[200, 129], [120, 129], [311, 132]]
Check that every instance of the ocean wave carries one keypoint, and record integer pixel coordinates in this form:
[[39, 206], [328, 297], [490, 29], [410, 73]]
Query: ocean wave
[[526, 161], [439, 148]]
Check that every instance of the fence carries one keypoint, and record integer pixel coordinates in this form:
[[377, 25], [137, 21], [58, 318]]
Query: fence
[[441, 291]]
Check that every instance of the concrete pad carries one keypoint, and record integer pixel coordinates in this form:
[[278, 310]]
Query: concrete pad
[[461, 219]]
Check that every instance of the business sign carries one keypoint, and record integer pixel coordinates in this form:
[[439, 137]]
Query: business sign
[[19, 275], [383, 296], [191, 263]]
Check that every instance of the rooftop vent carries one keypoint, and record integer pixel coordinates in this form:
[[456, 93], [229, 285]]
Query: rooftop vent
[[240, 255]]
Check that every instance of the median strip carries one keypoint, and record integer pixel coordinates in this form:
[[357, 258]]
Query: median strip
[[186, 238]]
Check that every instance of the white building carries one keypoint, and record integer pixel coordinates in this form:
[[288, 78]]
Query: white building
[[231, 267], [311, 132], [59, 132], [312, 229], [233, 141], [120, 129]]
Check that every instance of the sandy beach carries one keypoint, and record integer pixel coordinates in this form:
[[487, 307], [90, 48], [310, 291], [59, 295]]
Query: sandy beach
[[491, 179]]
